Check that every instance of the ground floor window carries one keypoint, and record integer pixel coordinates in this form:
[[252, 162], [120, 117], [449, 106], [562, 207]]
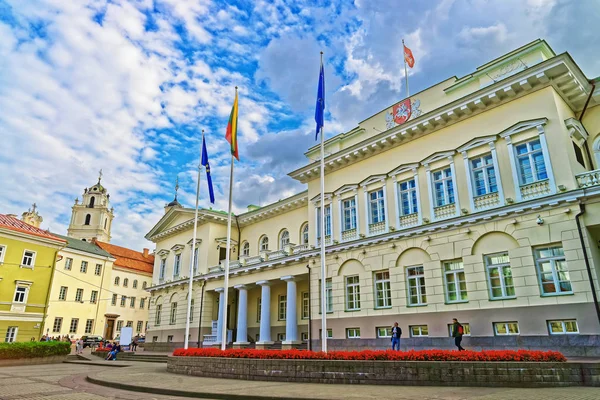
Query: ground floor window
[[140, 325], [563, 327], [280, 337], [304, 336], [154, 339], [11, 334], [384, 332], [74, 325], [506, 328], [418, 330], [353, 333], [89, 324], [57, 324], [129, 324], [170, 339], [466, 329], [329, 333], [119, 325]]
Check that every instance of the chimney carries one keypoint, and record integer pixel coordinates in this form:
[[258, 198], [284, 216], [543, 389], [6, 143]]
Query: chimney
[[145, 252]]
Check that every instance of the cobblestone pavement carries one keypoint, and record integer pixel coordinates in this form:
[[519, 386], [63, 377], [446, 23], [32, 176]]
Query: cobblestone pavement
[[67, 382]]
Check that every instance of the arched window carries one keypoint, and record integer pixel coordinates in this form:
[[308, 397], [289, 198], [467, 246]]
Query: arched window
[[284, 239], [117, 280], [88, 218], [105, 222], [125, 282], [92, 201], [135, 283], [264, 243], [144, 285], [246, 249], [304, 234]]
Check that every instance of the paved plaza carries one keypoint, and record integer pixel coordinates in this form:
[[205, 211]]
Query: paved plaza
[[67, 381]]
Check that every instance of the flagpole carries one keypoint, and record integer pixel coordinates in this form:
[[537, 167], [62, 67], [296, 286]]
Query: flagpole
[[323, 266], [405, 69], [193, 257], [226, 278]]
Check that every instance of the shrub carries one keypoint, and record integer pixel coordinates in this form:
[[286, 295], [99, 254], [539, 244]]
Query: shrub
[[383, 355], [33, 349]]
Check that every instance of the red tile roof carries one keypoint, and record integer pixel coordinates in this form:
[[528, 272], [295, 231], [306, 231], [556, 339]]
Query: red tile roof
[[15, 224], [127, 258]]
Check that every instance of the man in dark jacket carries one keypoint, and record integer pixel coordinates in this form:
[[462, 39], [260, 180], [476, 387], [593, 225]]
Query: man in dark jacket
[[457, 333], [396, 333]]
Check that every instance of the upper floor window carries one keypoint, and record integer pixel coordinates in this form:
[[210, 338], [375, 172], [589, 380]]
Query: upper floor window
[[376, 206], [92, 200], [88, 219], [349, 214], [282, 311], [530, 162], [304, 234], [135, 283], [177, 265], [28, 259], [125, 282], [117, 281], [246, 249], [98, 270], [500, 277], [2, 252], [552, 271], [284, 239], [484, 175], [383, 290], [68, 264], [196, 252], [144, 285], [327, 221], [264, 243], [20, 294], [443, 188], [407, 194], [162, 269], [83, 268], [173, 319]]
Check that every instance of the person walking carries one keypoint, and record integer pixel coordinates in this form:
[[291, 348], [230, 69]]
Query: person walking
[[396, 334], [457, 333]]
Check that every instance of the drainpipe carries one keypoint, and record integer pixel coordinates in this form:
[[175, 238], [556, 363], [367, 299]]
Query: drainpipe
[[587, 261], [200, 317], [309, 313]]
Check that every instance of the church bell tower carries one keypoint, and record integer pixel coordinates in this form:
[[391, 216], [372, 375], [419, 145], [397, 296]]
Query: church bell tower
[[92, 218]]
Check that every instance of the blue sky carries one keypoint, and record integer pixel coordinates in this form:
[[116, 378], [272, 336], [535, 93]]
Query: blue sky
[[127, 86]]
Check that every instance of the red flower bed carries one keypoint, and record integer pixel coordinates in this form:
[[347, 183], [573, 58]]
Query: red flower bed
[[383, 355]]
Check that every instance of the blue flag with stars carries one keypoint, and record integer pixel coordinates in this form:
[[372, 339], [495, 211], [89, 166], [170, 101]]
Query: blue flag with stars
[[320, 107], [206, 165]]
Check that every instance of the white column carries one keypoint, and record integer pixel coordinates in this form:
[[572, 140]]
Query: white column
[[456, 200], [366, 210], [265, 312], [515, 167], [357, 214], [469, 180], [291, 316], [340, 219], [497, 172], [385, 207], [430, 192], [419, 205], [546, 153], [242, 319], [220, 321], [396, 202]]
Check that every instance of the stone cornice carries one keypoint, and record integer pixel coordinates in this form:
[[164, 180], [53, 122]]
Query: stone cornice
[[286, 205]]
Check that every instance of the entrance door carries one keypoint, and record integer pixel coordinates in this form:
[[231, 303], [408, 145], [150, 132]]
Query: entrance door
[[108, 332]]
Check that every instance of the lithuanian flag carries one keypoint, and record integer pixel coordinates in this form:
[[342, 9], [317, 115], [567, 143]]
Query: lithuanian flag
[[231, 134]]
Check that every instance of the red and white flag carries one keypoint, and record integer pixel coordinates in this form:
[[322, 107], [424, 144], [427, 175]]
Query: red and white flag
[[408, 57]]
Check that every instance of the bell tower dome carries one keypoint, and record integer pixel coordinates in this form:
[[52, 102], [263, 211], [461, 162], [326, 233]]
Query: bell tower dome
[[92, 218]]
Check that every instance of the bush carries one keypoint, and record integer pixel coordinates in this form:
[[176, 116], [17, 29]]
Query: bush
[[10, 351], [382, 355]]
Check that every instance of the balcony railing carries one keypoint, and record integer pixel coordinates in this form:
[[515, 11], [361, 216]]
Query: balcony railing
[[588, 179], [349, 234], [442, 212], [274, 255], [215, 268], [486, 201], [327, 240], [378, 227], [254, 260], [409, 220], [234, 264], [300, 248], [535, 189]]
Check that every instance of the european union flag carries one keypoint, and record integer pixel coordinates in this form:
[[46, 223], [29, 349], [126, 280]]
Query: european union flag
[[205, 163], [320, 108]]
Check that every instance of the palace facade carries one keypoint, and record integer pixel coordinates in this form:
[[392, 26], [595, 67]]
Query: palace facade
[[477, 198]]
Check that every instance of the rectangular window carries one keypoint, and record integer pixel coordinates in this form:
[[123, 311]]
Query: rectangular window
[[443, 188], [177, 265], [552, 271], [132, 302], [456, 284], [280, 337], [28, 259], [123, 300], [74, 325], [349, 213], [139, 326], [163, 268], [466, 329], [328, 295], [418, 330], [500, 277], [506, 328], [352, 293], [2, 253], [329, 333], [563, 327], [119, 326], [62, 294], [129, 324], [192, 311], [530, 162], [154, 339], [20, 294], [196, 260], [407, 195], [157, 315], [384, 332], [98, 270], [114, 300], [417, 294], [83, 268], [304, 336], [352, 333], [376, 206], [11, 334], [383, 290], [89, 325], [142, 303], [173, 319], [68, 264], [94, 297], [327, 221], [57, 325], [282, 308], [258, 307], [305, 305], [79, 295], [484, 175], [170, 339]]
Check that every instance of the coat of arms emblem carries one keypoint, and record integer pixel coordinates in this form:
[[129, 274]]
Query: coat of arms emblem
[[402, 112]]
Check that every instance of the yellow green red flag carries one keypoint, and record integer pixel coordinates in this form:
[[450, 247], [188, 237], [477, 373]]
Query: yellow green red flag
[[231, 134]]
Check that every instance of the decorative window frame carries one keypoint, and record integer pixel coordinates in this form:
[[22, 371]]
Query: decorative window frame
[[2, 253], [316, 204], [464, 150], [342, 194], [22, 284], [522, 127], [401, 170], [245, 244], [375, 182], [32, 266], [579, 136], [162, 257], [177, 251], [440, 156], [280, 244]]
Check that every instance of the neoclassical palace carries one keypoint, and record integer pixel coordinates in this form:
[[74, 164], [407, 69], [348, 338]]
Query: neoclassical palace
[[477, 198]]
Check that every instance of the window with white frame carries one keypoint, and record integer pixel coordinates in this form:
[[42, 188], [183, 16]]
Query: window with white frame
[[352, 293], [383, 332], [57, 324], [418, 330], [119, 326], [352, 333], [28, 259], [195, 269], [349, 214], [173, 319], [329, 333], [129, 324], [74, 325], [62, 294], [407, 195], [327, 221], [282, 308], [68, 264], [530, 162], [304, 336], [143, 303], [163, 268], [132, 302], [456, 284], [192, 311], [83, 268], [246, 249], [499, 276], [417, 293], [506, 328], [443, 188], [98, 270], [305, 234], [125, 282], [563, 327], [2, 253], [264, 243], [79, 295], [383, 289], [284, 239], [139, 326], [552, 271], [280, 337], [466, 329], [117, 281], [123, 300], [157, 314], [484, 175], [20, 294], [113, 302], [376, 206], [305, 305], [328, 295], [177, 265], [89, 324], [94, 297], [11, 334]]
